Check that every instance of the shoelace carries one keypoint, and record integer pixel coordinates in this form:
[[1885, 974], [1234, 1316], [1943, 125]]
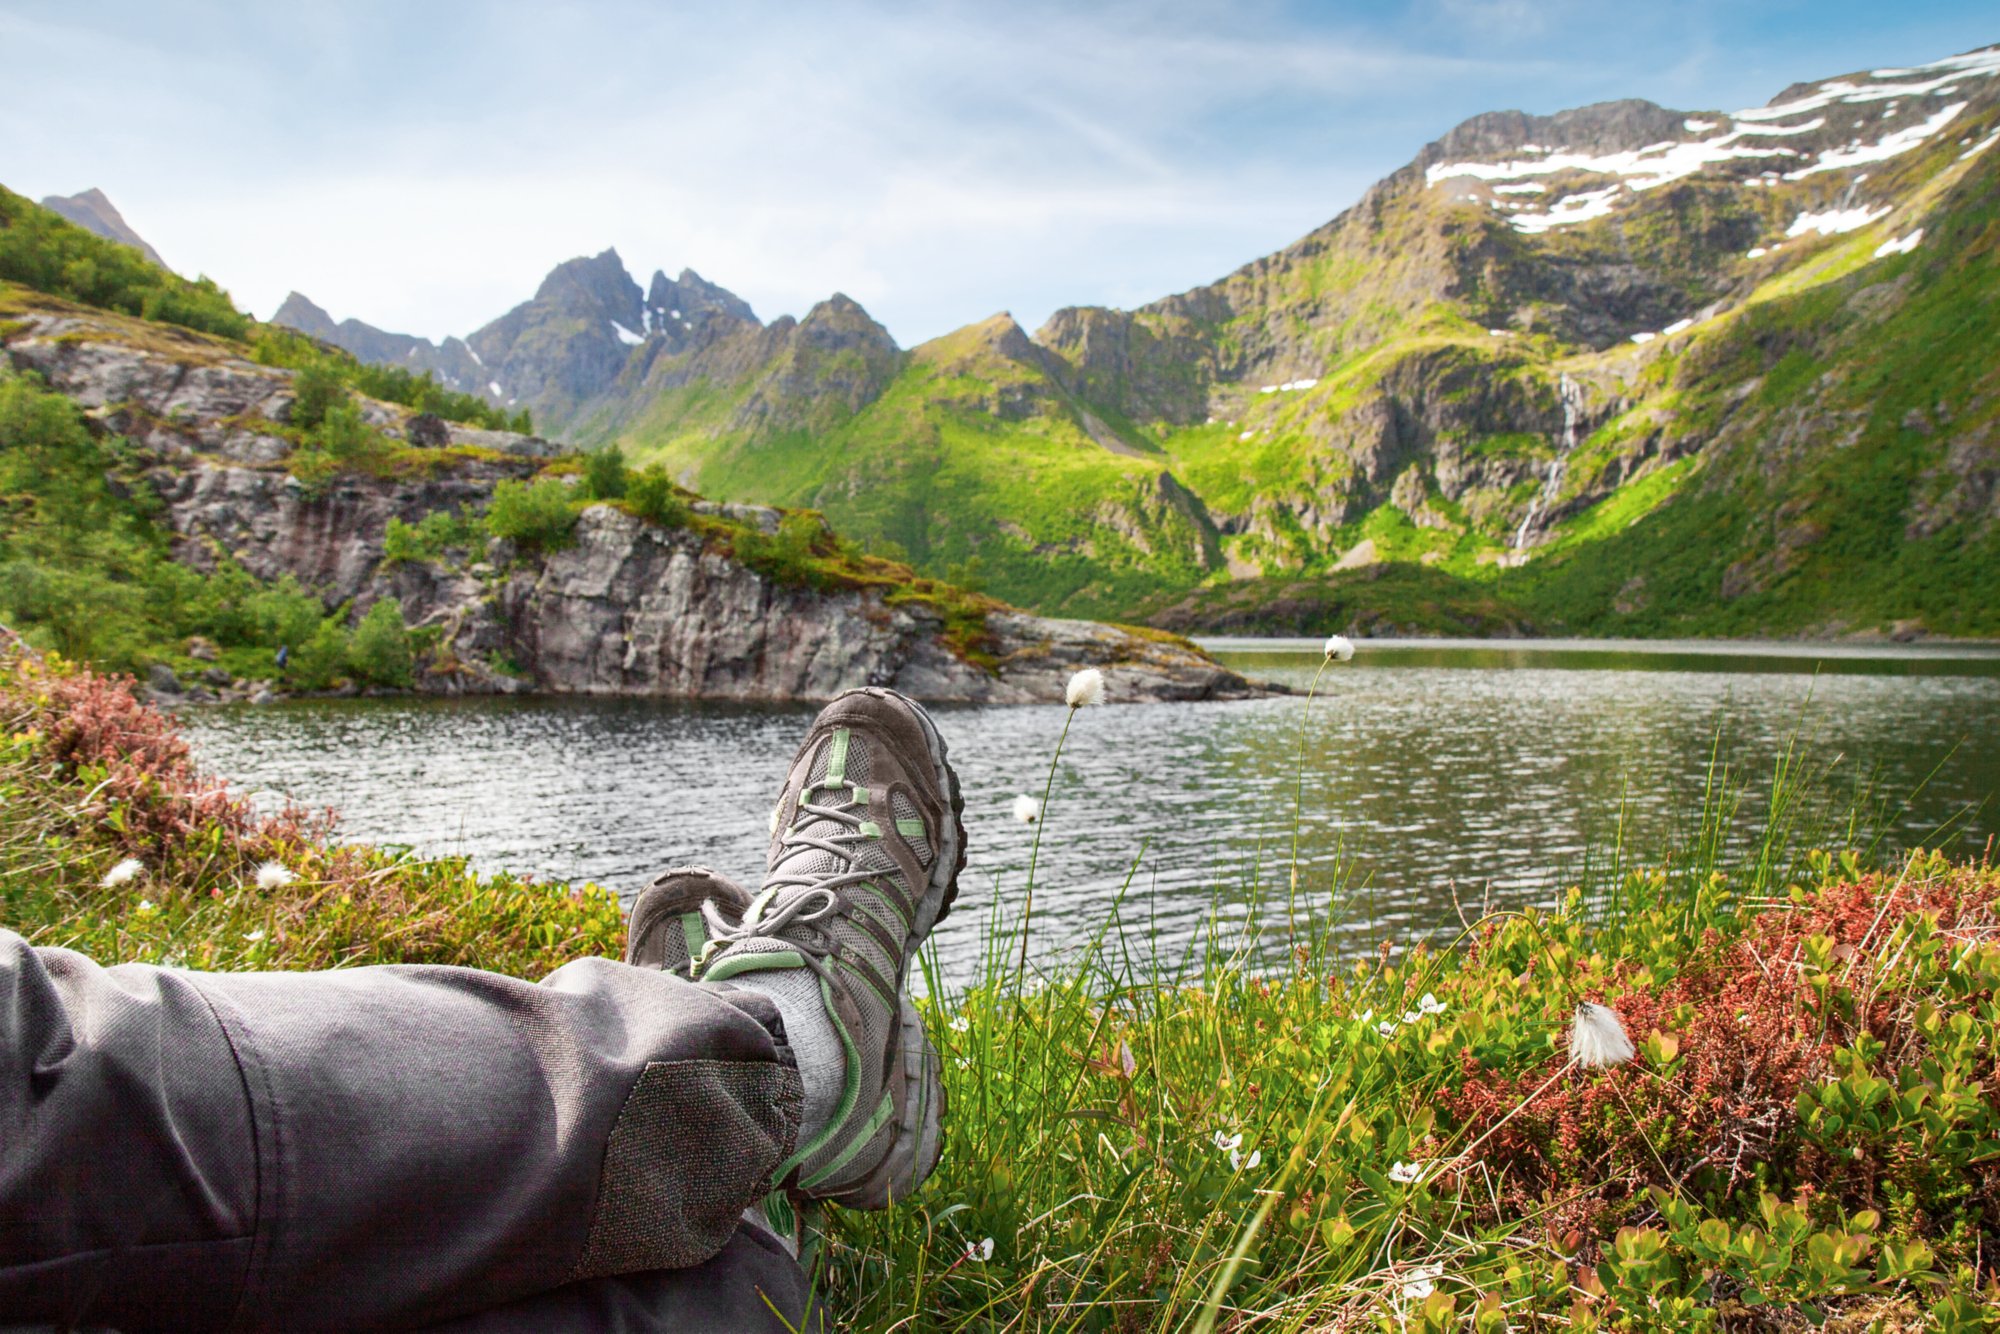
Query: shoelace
[[815, 898]]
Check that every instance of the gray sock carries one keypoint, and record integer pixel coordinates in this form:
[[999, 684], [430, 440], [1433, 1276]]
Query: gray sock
[[815, 1046]]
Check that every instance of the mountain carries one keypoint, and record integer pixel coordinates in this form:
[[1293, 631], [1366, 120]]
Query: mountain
[[1621, 369], [181, 498], [93, 212], [562, 351]]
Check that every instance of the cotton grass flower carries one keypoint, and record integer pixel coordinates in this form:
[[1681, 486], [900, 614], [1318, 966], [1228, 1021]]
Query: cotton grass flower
[[1387, 1028], [1406, 1174], [274, 875], [1422, 1281], [1027, 809], [253, 936], [1228, 1143], [979, 1252], [1430, 1005], [1239, 1163], [1085, 688], [124, 873], [1340, 648], [1597, 1037]]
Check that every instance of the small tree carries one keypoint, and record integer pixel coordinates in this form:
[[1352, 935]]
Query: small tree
[[378, 651], [604, 473], [315, 389], [654, 497], [538, 515]]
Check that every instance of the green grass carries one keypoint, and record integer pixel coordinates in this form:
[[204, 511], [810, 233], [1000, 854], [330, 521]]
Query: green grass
[[1811, 1125]]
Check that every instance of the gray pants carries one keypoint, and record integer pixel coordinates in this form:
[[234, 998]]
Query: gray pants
[[388, 1149]]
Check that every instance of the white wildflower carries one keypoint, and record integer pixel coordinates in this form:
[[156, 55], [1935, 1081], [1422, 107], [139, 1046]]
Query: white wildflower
[[1406, 1173], [1238, 1163], [1387, 1028], [979, 1252], [145, 905], [1366, 1015], [1085, 688], [1422, 1281], [124, 873], [1597, 1037], [253, 936], [1411, 1016], [1340, 648], [1430, 1004], [274, 875], [960, 1024], [1228, 1143], [1027, 809]]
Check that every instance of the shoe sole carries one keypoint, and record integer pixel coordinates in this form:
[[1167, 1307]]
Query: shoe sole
[[918, 1142]]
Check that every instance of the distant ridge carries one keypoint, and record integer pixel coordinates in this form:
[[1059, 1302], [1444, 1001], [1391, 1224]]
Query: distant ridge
[[92, 211]]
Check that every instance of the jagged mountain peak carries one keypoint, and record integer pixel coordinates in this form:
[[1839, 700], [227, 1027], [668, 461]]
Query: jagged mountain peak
[[679, 302], [1602, 127], [1558, 171], [840, 315], [300, 312], [94, 212]]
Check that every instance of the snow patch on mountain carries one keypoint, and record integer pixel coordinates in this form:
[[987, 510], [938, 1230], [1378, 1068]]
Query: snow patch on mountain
[[1902, 245], [1901, 141], [1570, 210], [626, 336], [1835, 221]]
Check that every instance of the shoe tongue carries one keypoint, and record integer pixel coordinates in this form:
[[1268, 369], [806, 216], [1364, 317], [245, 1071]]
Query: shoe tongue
[[841, 766]]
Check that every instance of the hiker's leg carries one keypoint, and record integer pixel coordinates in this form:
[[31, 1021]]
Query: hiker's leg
[[373, 1148], [752, 1286]]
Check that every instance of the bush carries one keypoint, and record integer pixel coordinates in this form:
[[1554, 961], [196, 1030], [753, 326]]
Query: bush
[[788, 555], [539, 515], [379, 651], [429, 537], [604, 474], [652, 495], [314, 390], [320, 661]]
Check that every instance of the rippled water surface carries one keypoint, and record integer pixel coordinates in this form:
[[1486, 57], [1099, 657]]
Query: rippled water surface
[[1429, 765]]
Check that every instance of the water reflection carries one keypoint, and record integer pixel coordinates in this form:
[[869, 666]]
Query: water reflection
[[1431, 769]]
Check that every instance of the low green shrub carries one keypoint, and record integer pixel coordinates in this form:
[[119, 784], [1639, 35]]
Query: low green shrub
[[604, 473], [652, 495], [539, 515], [378, 649], [430, 537]]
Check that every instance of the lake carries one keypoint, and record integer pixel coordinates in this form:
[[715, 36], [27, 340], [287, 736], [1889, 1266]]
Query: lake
[[1431, 768]]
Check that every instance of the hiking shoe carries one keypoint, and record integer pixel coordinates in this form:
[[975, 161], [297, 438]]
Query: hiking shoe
[[864, 861], [666, 930]]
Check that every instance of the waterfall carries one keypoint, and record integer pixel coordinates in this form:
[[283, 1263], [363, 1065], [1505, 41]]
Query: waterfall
[[1571, 395]]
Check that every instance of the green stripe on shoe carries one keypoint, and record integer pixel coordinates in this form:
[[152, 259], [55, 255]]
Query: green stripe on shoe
[[855, 1145], [753, 963], [836, 759], [910, 828], [850, 1092], [695, 932]]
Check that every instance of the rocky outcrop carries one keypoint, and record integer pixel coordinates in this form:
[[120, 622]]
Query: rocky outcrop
[[628, 607]]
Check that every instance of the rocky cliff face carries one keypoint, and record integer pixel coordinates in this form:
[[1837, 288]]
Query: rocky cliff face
[[628, 607]]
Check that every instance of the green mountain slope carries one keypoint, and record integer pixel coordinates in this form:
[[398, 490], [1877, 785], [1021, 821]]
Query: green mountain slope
[[1619, 369]]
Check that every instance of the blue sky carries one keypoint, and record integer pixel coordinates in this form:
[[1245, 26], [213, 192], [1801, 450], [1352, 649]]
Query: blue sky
[[422, 165]]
